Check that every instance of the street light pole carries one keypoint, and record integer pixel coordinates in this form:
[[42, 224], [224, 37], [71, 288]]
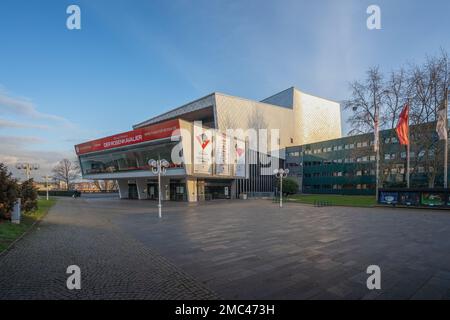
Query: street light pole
[[280, 174], [159, 167], [28, 167], [46, 185]]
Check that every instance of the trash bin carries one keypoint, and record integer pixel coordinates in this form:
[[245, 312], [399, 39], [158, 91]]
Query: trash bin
[[243, 196], [15, 216]]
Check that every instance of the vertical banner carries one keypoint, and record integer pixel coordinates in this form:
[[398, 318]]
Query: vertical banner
[[239, 150], [222, 154], [202, 150]]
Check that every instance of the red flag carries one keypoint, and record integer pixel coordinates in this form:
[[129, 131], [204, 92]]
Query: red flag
[[402, 128]]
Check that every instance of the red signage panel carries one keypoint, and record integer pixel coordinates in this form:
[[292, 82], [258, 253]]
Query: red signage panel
[[153, 132]]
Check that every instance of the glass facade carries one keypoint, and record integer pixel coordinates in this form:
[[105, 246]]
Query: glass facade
[[128, 159]]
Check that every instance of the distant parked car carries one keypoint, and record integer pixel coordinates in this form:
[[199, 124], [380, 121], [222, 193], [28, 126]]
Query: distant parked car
[[76, 194]]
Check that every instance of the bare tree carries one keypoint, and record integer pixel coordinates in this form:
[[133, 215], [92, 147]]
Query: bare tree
[[366, 97], [66, 171], [428, 83], [423, 86], [396, 92]]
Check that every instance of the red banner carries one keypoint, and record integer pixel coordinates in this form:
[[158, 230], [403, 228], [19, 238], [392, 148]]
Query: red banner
[[402, 128], [154, 132]]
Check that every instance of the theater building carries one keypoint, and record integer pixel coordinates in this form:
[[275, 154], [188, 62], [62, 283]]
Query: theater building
[[206, 161]]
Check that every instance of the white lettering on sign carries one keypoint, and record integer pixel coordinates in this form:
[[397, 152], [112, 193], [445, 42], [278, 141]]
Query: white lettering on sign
[[118, 142]]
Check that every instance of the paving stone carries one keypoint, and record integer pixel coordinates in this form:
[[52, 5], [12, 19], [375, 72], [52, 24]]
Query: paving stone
[[229, 249], [113, 265]]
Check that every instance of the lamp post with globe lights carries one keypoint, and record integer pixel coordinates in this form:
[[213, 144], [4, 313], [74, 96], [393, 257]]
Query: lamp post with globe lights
[[159, 167], [28, 167], [281, 174]]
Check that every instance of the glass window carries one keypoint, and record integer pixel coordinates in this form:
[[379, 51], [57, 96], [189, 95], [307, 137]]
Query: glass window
[[126, 159]]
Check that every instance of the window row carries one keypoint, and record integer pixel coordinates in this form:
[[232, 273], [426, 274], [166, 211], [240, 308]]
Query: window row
[[126, 160]]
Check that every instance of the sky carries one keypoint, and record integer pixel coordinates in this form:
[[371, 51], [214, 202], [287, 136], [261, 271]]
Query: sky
[[132, 60]]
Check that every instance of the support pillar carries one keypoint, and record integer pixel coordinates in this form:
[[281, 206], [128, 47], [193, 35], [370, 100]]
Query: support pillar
[[233, 194], [191, 189], [123, 188], [142, 189]]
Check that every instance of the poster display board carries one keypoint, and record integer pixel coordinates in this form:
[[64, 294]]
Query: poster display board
[[388, 197], [409, 198], [239, 150], [432, 199], [202, 150], [222, 154]]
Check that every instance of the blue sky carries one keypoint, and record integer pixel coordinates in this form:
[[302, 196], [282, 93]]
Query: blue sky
[[135, 59]]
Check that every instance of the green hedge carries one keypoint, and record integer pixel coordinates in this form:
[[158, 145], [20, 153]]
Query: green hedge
[[54, 193]]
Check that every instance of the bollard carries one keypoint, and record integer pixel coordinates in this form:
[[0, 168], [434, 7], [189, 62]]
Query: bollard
[[15, 216]]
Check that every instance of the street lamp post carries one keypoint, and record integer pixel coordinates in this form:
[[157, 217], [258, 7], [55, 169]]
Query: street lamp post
[[159, 167], [280, 174], [46, 185], [28, 167]]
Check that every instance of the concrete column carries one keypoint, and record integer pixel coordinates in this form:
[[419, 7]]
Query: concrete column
[[191, 189], [123, 188], [142, 188], [233, 189]]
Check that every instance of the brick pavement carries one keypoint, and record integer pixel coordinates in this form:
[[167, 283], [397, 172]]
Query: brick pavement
[[113, 265], [238, 249]]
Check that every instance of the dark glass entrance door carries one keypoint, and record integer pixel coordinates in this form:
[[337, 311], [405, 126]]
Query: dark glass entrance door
[[132, 191], [217, 189], [178, 191]]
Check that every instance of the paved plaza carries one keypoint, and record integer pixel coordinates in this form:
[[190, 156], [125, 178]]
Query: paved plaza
[[229, 249]]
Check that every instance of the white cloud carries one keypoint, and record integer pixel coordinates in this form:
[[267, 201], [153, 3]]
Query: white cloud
[[17, 125], [29, 148], [15, 149], [18, 141], [25, 107]]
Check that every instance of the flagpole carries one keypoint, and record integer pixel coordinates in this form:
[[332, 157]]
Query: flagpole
[[377, 146], [408, 151], [407, 163], [446, 139]]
